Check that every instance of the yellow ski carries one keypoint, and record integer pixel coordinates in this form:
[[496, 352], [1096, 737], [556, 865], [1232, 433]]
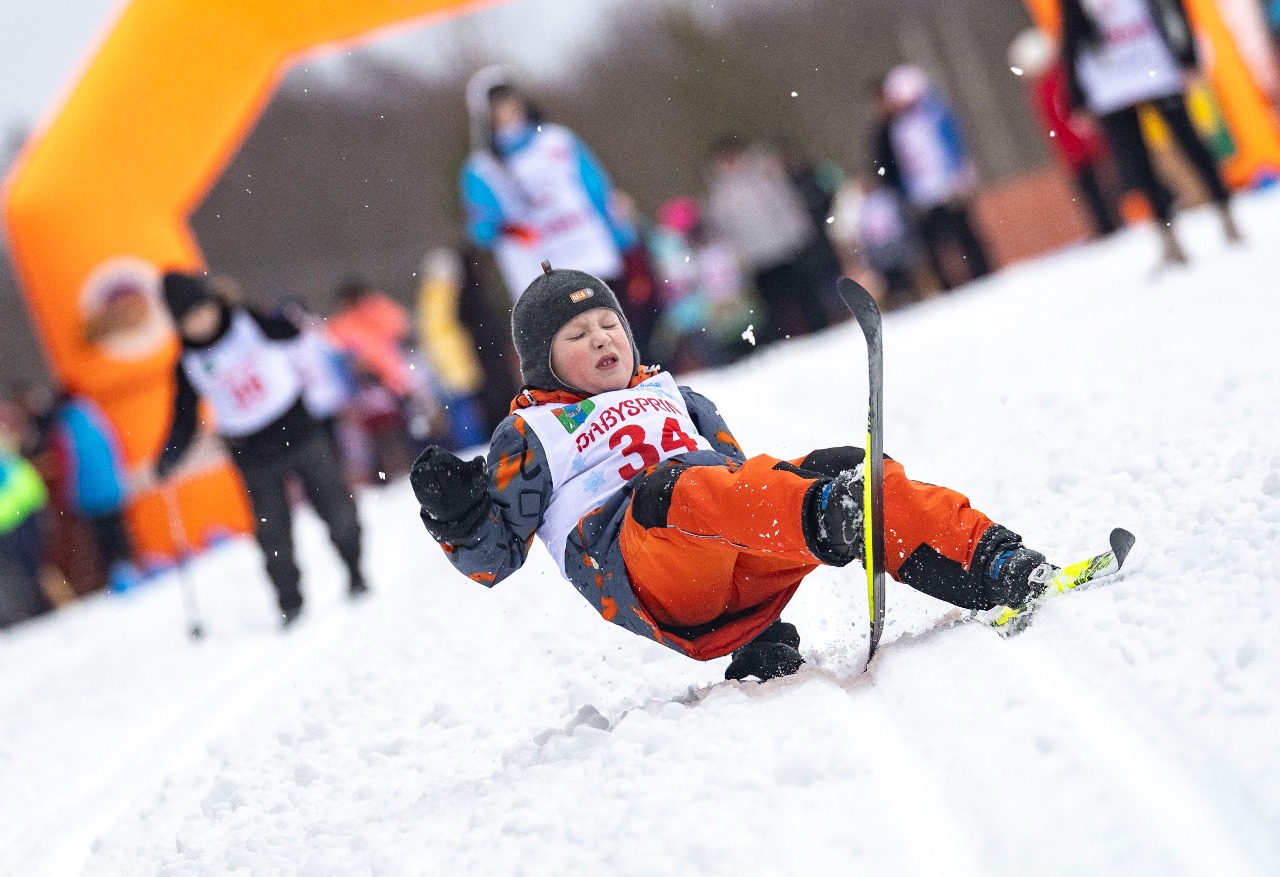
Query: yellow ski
[[864, 309], [1009, 621]]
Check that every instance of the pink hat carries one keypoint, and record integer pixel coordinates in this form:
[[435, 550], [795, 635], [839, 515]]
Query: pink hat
[[681, 215]]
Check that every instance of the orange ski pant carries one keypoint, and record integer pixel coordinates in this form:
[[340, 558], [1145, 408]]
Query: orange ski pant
[[721, 540]]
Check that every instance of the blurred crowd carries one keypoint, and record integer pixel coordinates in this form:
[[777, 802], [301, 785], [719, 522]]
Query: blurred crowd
[[710, 277]]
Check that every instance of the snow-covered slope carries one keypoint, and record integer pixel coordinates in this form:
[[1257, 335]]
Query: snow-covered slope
[[441, 728]]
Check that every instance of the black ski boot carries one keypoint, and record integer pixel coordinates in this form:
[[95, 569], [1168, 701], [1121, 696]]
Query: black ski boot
[[775, 652], [833, 519], [1017, 575]]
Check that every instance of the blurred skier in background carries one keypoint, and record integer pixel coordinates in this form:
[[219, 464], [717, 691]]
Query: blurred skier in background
[[1074, 138], [244, 364], [1122, 55], [920, 150], [532, 190]]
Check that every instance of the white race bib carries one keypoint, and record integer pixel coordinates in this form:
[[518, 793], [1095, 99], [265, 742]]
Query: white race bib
[[1134, 64], [593, 448], [540, 187], [249, 380]]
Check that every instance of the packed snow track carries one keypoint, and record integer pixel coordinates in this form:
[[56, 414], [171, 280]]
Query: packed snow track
[[442, 728]]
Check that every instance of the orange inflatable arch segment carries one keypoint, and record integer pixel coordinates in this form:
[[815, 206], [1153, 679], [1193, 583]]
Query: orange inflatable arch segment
[[99, 202]]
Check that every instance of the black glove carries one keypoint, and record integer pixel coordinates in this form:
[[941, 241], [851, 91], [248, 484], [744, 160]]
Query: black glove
[[773, 653], [764, 661], [454, 494]]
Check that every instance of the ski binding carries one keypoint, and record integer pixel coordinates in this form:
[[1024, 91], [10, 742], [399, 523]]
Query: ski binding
[[1012, 620]]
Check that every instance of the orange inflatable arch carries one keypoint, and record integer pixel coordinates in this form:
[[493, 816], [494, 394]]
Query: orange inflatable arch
[[99, 203]]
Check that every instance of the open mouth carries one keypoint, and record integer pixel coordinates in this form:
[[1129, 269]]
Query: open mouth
[[607, 362]]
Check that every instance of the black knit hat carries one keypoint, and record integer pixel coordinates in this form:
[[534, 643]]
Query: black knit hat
[[183, 292], [554, 298]]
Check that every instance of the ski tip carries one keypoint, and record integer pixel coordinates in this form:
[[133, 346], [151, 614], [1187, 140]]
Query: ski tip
[[856, 295], [1122, 543]]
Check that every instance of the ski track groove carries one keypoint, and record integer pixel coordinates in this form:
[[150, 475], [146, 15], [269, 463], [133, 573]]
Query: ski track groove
[[95, 802], [1165, 799], [951, 801], [918, 797]]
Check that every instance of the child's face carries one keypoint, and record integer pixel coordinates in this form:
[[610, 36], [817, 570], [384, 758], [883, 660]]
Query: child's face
[[200, 323], [591, 352]]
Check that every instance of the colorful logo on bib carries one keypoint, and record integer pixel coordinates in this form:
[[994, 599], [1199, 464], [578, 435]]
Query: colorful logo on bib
[[573, 416]]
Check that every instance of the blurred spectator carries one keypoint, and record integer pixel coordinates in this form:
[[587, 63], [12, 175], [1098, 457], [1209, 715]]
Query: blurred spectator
[[681, 342], [887, 242], [704, 307], [328, 383], [920, 150], [1126, 54], [95, 483], [35, 403], [382, 449], [846, 210], [1075, 139], [374, 329], [817, 186], [395, 398], [22, 529], [449, 346], [754, 207], [485, 309], [532, 191], [638, 295]]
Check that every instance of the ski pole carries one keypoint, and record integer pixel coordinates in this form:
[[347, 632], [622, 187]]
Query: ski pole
[[190, 600]]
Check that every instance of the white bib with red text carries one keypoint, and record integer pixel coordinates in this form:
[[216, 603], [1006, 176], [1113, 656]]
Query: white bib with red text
[[1133, 65], [540, 188], [596, 446], [247, 378]]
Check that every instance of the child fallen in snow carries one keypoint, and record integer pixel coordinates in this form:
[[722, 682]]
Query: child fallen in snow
[[654, 513]]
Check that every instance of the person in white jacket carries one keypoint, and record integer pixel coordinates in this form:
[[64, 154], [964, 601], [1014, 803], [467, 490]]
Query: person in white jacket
[[532, 190]]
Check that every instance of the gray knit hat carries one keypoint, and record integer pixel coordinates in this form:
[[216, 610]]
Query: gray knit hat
[[554, 298]]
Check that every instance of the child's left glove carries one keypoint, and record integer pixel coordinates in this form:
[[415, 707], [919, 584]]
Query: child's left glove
[[453, 493]]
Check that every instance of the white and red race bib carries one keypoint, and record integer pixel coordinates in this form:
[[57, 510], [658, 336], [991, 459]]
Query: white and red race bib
[[1133, 65], [593, 448], [541, 188], [249, 380]]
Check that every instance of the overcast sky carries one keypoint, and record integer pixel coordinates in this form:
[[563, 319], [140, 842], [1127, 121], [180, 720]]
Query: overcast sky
[[43, 42]]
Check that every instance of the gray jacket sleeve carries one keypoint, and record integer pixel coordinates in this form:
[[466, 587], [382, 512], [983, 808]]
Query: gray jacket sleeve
[[520, 491], [707, 418]]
